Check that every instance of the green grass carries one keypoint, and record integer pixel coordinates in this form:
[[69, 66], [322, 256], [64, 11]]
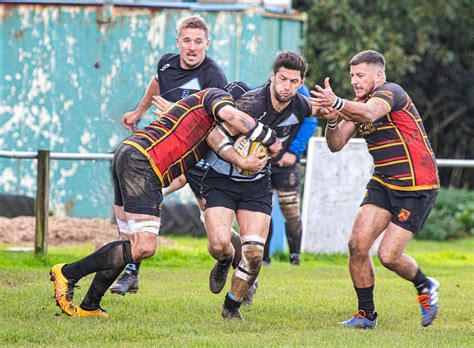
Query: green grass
[[294, 306]]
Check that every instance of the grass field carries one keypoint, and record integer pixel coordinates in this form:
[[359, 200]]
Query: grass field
[[294, 306]]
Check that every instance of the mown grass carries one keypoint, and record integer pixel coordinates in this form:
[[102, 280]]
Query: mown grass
[[294, 306]]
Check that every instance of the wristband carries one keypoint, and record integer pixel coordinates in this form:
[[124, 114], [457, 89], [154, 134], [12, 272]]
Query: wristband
[[223, 147], [332, 125], [338, 104]]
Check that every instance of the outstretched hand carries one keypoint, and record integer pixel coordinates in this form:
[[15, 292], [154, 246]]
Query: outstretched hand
[[161, 104], [323, 97]]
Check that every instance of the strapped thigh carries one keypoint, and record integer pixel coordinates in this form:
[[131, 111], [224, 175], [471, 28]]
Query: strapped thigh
[[150, 226]]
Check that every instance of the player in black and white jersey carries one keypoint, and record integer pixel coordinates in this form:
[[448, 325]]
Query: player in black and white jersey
[[177, 76], [228, 193]]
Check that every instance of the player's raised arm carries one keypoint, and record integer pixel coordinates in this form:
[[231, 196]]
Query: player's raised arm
[[355, 111]]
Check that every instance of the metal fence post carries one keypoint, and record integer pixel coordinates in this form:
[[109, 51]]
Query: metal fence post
[[42, 203]]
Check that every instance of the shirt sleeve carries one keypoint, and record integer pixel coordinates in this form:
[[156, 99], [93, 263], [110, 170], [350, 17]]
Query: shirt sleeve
[[392, 95], [306, 131], [215, 99]]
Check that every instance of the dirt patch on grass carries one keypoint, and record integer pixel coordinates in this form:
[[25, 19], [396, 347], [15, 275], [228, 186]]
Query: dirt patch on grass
[[20, 231]]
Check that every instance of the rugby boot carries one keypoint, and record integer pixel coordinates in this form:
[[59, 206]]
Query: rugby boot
[[248, 297], [359, 321], [97, 313], [218, 276], [234, 313], [63, 289], [295, 259], [126, 283], [428, 301]]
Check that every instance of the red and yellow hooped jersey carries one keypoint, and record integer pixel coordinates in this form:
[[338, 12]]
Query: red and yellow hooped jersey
[[403, 158], [175, 141]]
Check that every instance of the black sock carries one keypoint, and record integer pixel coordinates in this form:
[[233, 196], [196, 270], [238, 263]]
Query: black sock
[[420, 281], [226, 261], [133, 268], [293, 229], [112, 255], [366, 301], [266, 251], [230, 302], [102, 281]]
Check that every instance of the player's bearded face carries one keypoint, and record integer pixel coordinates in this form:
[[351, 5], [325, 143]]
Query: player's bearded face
[[285, 84], [364, 78], [192, 44]]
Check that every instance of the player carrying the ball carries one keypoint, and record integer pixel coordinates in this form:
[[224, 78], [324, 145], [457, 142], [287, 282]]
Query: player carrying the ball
[[143, 164], [228, 192]]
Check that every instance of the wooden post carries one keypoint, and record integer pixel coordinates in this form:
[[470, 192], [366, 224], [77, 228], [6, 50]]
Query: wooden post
[[42, 203]]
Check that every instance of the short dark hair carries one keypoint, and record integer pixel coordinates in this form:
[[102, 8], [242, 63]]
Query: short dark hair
[[368, 57], [291, 61], [193, 22]]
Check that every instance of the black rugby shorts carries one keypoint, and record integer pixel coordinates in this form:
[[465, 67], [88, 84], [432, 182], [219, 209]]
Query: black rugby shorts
[[221, 191], [286, 179], [409, 209], [136, 186]]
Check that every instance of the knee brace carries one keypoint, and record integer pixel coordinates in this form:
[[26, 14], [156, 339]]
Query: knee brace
[[252, 254], [289, 204]]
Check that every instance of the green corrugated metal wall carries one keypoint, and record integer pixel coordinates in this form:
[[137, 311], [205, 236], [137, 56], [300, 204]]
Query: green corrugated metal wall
[[68, 73]]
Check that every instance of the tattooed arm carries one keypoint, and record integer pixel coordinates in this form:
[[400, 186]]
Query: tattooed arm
[[236, 121], [221, 145]]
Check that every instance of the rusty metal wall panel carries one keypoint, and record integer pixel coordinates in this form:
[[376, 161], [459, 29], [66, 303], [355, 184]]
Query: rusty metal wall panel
[[68, 73]]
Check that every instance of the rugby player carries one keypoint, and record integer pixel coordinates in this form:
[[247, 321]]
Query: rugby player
[[177, 76], [403, 187], [286, 179], [228, 193], [143, 164]]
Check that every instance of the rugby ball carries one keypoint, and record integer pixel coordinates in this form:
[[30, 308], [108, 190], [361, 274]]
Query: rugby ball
[[246, 147]]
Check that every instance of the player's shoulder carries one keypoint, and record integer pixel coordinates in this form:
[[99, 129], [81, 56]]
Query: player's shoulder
[[391, 87], [168, 57], [210, 64], [254, 96], [301, 103]]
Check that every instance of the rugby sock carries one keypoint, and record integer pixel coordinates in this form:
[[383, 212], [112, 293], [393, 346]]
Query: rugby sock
[[266, 251], [102, 281], [112, 255], [133, 268], [226, 261], [420, 281], [293, 234], [231, 301], [366, 301]]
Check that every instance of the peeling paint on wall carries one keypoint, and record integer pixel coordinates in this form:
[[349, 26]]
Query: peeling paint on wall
[[68, 73]]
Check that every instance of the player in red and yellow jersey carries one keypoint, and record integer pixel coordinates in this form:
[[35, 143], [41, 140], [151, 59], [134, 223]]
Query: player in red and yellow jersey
[[142, 165], [404, 185]]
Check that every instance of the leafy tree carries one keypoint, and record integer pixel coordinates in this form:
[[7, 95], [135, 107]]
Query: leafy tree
[[428, 47]]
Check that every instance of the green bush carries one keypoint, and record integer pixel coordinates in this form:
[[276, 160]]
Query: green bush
[[452, 216]]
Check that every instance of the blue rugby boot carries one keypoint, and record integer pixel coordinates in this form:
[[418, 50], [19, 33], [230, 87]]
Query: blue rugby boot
[[359, 321], [428, 301]]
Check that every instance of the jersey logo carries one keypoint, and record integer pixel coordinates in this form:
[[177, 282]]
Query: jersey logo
[[185, 93], [263, 115], [289, 121], [193, 84], [366, 128], [403, 215], [164, 67]]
